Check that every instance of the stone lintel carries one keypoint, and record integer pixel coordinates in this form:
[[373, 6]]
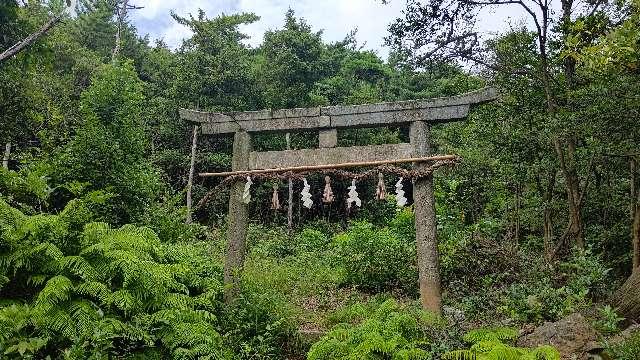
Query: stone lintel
[[434, 110], [326, 156]]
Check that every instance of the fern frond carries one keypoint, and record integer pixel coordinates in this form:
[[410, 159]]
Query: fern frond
[[462, 355], [80, 267], [57, 290], [491, 334], [94, 289], [545, 352]]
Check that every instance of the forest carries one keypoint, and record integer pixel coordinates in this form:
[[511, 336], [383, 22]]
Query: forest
[[113, 247]]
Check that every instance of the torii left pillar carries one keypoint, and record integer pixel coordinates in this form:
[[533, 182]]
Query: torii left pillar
[[238, 220]]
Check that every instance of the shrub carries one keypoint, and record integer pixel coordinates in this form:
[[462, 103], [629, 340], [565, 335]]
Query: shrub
[[550, 295], [628, 349], [383, 331], [311, 240], [376, 259], [259, 326]]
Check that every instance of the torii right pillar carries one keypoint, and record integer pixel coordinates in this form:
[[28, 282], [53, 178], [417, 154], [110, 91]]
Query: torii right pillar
[[426, 231]]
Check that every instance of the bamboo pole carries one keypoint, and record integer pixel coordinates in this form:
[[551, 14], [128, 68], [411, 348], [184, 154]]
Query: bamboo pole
[[332, 166], [192, 166], [290, 197], [7, 156]]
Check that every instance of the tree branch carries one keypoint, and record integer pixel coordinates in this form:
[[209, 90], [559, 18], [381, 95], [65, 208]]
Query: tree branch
[[16, 48]]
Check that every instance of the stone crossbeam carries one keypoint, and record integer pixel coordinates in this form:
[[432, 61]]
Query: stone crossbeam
[[383, 114]]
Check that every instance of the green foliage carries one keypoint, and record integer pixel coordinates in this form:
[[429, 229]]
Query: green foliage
[[608, 320], [102, 291], [387, 331], [628, 349], [108, 152], [376, 259], [259, 326], [582, 279], [492, 344], [25, 188]]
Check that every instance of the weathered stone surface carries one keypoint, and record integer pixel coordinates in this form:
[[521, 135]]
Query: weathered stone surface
[[573, 336], [474, 97], [238, 219], [328, 138], [309, 157], [435, 110], [426, 234], [297, 112], [270, 124]]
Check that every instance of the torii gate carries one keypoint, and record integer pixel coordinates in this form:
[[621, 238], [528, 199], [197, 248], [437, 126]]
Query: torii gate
[[418, 114]]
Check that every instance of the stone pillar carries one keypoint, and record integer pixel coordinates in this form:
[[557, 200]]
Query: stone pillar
[[425, 213], [238, 220]]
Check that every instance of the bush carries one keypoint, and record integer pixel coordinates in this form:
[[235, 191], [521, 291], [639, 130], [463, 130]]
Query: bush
[[376, 259], [384, 330], [628, 349], [551, 294], [259, 326]]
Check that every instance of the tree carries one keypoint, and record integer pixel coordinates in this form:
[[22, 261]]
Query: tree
[[109, 149], [444, 31], [293, 63]]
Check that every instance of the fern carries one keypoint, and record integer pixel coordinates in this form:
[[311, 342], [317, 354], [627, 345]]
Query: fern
[[392, 332], [487, 344], [491, 334], [102, 291]]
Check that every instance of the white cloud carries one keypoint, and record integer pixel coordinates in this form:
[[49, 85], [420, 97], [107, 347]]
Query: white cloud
[[335, 17]]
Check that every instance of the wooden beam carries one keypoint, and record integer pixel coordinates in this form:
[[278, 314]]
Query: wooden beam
[[332, 166], [324, 156]]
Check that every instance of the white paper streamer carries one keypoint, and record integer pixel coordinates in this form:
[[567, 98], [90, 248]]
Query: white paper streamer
[[400, 199], [353, 195], [306, 195], [246, 195]]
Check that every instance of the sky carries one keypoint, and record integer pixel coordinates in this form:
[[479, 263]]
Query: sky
[[336, 18]]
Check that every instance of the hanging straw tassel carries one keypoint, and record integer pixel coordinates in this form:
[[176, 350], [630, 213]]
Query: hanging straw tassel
[[327, 195], [381, 192], [305, 195], [401, 200], [246, 194], [353, 195], [275, 200]]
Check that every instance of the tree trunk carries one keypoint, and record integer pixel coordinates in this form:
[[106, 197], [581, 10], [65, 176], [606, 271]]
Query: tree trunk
[[7, 155], [626, 300], [192, 167], [574, 195], [547, 197], [635, 214], [30, 39], [122, 14]]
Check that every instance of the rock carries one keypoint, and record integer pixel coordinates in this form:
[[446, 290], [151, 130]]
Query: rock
[[573, 336]]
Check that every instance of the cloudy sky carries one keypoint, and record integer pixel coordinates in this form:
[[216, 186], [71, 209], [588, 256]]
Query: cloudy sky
[[334, 17]]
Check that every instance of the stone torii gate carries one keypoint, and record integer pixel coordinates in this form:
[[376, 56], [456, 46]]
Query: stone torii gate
[[418, 114]]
